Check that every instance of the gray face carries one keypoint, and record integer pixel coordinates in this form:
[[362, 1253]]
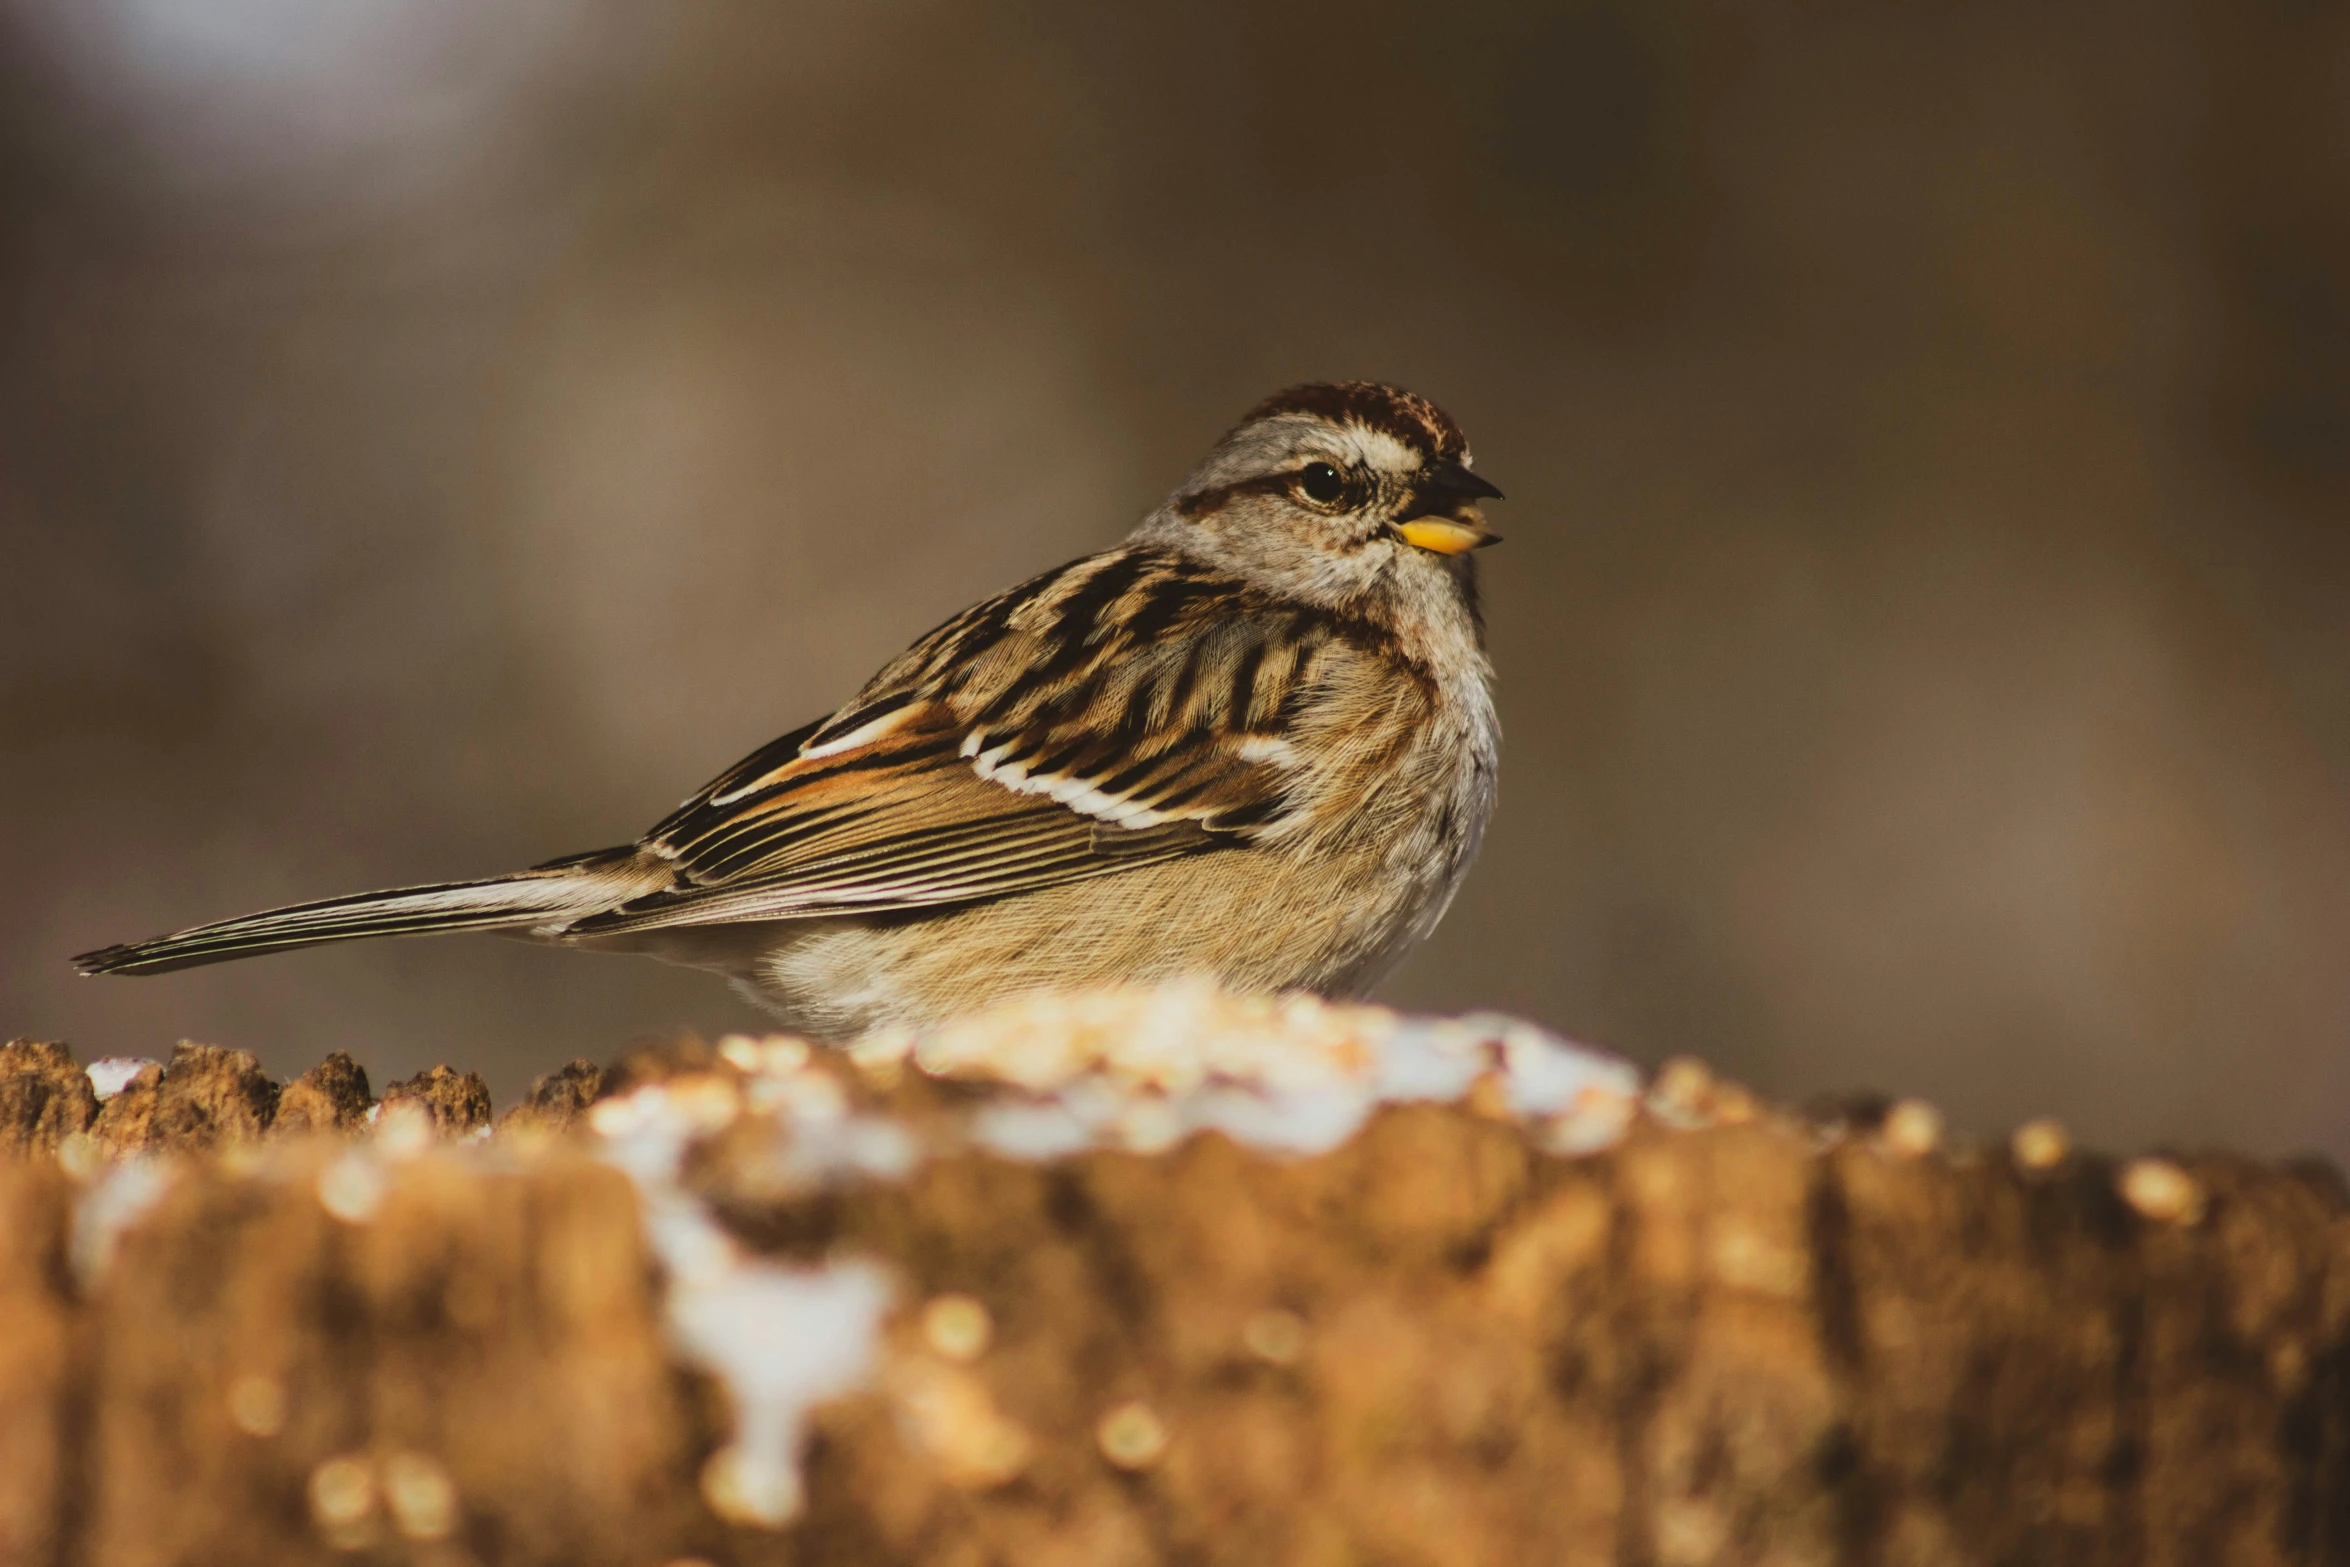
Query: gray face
[[1332, 511]]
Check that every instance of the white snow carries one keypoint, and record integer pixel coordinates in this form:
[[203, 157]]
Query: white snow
[[112, 1075]]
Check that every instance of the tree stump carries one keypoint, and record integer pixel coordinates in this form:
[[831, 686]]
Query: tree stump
[[1140, 1279]]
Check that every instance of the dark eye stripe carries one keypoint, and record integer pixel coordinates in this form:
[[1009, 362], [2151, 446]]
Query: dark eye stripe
[[1201, 503]]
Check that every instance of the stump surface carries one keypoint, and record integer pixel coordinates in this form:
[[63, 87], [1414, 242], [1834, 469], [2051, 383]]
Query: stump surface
[[240, 1324]]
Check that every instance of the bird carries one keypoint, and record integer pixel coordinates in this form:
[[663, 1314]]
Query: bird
[[1254, 745]]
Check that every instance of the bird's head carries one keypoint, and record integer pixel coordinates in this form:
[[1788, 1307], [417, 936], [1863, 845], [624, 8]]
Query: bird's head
[[1343, 494]]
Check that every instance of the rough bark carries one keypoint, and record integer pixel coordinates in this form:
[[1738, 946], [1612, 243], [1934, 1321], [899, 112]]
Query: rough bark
[[331, 1097], [1728, 1336], [44, 1096]]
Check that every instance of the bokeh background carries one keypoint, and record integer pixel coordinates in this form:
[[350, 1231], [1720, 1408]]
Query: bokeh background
[[435, 436]]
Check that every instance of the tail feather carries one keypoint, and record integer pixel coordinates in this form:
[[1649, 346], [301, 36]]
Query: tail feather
[[554, 893]]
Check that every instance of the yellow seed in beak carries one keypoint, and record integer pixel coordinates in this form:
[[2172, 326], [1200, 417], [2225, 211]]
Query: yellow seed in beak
[[1443, 535]]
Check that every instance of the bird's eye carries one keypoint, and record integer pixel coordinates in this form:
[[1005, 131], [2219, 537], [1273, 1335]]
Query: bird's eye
[[1321, 483]]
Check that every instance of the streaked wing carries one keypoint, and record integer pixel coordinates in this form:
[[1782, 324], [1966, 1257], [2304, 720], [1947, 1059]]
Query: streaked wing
[[1126, 709]]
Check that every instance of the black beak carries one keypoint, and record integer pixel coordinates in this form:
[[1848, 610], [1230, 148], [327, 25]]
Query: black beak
[[1448, 483]]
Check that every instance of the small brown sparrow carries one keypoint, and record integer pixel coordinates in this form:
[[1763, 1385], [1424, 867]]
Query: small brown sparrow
[[1254, 744]]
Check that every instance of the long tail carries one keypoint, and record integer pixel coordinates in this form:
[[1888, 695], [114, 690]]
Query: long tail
[[552, 894]]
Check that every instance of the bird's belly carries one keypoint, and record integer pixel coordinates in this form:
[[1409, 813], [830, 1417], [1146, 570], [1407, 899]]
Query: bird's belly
[[1246, 919]]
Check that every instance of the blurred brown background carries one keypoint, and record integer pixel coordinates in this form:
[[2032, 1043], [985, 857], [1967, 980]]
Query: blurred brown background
[[436, 436]]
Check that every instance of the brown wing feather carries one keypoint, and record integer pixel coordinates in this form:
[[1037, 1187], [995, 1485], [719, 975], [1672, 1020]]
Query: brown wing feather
[[1126, 709]]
